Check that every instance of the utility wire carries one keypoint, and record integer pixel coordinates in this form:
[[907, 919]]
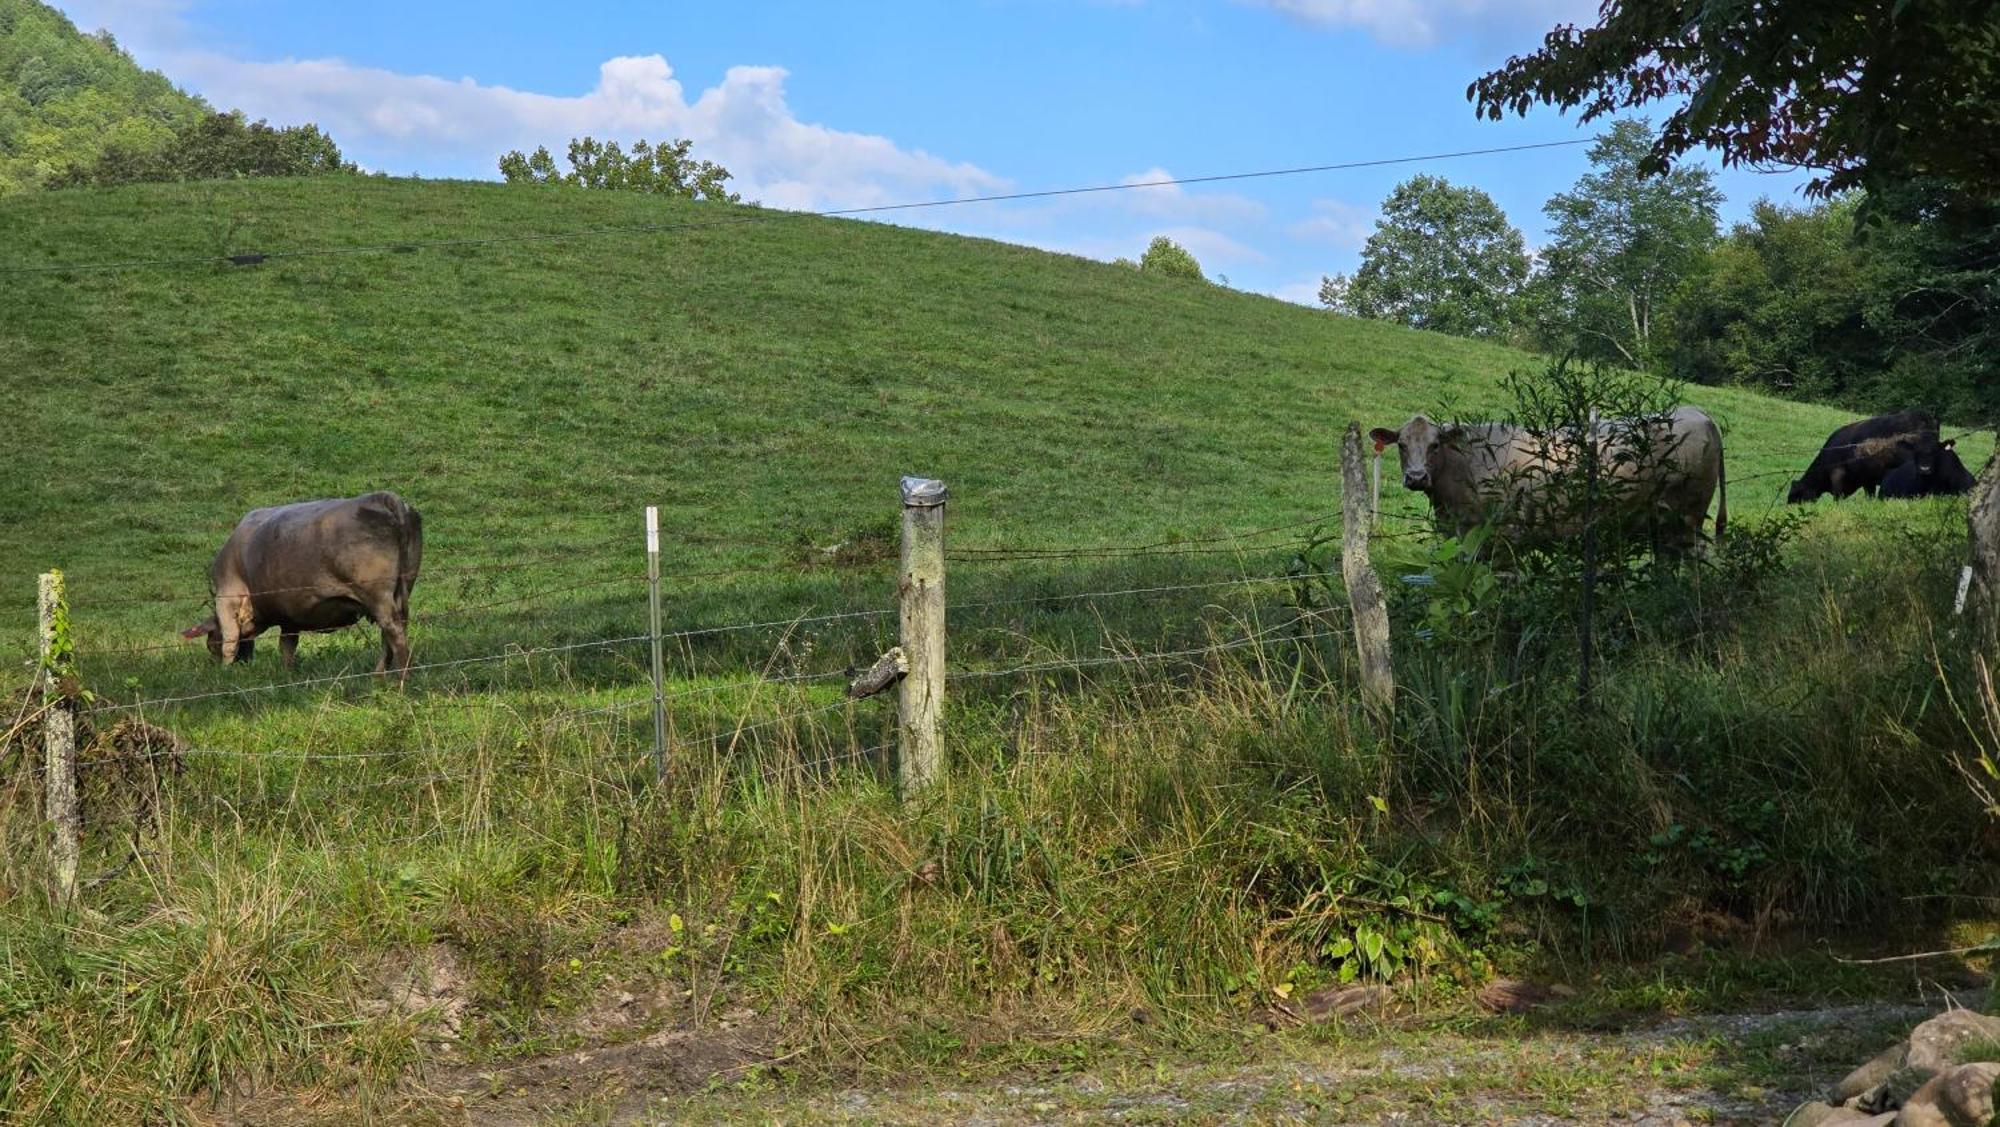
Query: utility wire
[[762, 216]]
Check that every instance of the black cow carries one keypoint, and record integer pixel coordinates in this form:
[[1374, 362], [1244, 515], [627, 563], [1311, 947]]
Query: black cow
[[316, 565], [1859, 455], [1936, 471]]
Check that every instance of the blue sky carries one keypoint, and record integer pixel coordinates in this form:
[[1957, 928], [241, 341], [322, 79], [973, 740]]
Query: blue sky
[[818, 105]]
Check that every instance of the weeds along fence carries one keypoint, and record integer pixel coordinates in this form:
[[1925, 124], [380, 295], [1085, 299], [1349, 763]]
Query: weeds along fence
[[786, 707], [817, 718]]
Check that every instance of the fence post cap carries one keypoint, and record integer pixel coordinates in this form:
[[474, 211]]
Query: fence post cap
[[922, 492]]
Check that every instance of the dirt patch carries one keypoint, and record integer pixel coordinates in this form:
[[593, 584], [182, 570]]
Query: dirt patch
[[429, 986], [616, 1083]]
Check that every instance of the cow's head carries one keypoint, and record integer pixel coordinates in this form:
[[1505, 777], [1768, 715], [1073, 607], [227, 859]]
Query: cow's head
[[1421, 445], [210, 629], [1928, 456], [1802, 492]]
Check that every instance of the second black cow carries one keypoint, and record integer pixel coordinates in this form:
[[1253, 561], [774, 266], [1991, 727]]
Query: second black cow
[[1935, 471]]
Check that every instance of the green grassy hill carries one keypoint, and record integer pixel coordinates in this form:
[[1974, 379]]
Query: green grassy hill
[[1769, 744], [763, 382], [66, 97]]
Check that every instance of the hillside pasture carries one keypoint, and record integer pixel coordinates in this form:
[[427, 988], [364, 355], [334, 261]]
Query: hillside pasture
[[1162, 794]]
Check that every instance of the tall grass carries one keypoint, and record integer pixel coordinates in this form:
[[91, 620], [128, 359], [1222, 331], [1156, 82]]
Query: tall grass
[[1185, 836]]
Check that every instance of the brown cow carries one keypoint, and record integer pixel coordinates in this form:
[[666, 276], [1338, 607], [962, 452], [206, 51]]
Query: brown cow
[[316, 565], [1473, 472]]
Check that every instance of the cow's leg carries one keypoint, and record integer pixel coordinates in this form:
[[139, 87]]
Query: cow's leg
[[389, 615], [396, 646], [230, 626], [288, 645]]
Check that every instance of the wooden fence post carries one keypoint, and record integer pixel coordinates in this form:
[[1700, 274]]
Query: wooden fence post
[[59, 736], [1982, 519], [1375, 484], [659, 670], [1364, 588], [920, 605]]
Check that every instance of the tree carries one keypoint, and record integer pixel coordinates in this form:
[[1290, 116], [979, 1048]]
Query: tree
[[1169, 259], [1871, 93], [1622, 241], [666, 169], [1442, 258], [219, 146], [1780, 303], [67, 97]]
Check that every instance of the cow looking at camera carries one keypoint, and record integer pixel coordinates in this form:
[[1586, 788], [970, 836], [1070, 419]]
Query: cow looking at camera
[[1663, 471]]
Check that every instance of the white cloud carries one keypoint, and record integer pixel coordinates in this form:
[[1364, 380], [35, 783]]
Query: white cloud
[[1420, 23], [1302, 292], [1174, 201], [1337, 222], [437, 125]]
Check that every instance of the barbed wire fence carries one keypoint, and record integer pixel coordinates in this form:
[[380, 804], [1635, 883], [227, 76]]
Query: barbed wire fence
[[818, 712], [722, 714]]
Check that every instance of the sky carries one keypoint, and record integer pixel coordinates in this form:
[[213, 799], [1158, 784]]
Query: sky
[[835, 105]]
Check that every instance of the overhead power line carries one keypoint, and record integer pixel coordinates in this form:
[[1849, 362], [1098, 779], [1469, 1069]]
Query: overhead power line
[[252, 258]]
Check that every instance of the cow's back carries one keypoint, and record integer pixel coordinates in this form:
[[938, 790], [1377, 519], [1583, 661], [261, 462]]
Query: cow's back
[[288, 557]]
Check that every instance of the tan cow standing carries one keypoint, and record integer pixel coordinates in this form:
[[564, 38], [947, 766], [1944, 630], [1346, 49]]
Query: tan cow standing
[[316, 565], [1664, 471]]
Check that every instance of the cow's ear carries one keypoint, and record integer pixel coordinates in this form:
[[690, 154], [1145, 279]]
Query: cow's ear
[[1450, 435], [1948, 443], [198, 630], [1383, 436]]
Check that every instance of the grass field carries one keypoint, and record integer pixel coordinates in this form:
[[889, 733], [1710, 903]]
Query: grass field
[[1191, 836]]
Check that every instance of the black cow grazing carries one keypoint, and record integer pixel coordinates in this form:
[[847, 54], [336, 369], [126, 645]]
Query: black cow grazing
[[1936, 471], [316, 565], [1859, 455]]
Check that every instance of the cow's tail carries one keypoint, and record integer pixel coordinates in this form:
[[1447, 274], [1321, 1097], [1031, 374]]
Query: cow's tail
[[410, 554], [1721, 490]]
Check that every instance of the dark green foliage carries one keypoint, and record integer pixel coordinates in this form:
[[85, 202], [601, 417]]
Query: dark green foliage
[[67, 97], [666, 169], [1872, 93], [221, 146], [1895, 312], [1442, 257]]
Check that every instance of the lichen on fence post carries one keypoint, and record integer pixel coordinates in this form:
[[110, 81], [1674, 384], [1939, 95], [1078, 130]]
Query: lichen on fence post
[[59, 803], [1364, 588]]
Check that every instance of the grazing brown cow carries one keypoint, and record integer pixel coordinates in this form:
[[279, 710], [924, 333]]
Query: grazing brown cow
[[316, 565], [1667, 469]]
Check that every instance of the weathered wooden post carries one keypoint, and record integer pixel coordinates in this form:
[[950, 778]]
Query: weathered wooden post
[[1364, 588], [1375, 483], [1982, 520], [59, 736], [920, 604]]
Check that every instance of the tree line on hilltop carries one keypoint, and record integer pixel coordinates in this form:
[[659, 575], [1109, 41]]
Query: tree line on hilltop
[[76, 110]]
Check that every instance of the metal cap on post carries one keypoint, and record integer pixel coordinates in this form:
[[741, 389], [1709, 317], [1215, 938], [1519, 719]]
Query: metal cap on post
[[920, 606], [923, 492]]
